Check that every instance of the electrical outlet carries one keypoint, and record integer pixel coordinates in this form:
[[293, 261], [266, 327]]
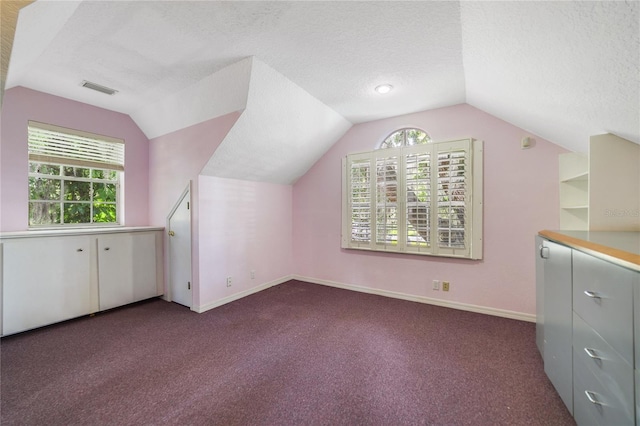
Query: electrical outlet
[[228, 281], [436, 285], [253, 274], [445, 285]]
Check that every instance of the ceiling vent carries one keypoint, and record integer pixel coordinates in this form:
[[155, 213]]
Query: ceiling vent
[[99, 88]]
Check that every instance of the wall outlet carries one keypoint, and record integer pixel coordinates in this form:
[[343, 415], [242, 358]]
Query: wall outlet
[[228, 281], [445, 285], [436, 285], [253, 274]]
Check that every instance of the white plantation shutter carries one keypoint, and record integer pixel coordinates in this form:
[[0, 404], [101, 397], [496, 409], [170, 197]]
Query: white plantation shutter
[[454, 196], [418, 200], [360, 200], [387, 195], [423, 199], [57, 145]]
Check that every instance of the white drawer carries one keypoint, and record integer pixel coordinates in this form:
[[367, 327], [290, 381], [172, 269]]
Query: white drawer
[[603, 297], [613, 373]]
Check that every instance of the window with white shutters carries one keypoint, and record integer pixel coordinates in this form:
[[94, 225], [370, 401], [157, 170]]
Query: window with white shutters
[[74, 177], [427, 198]]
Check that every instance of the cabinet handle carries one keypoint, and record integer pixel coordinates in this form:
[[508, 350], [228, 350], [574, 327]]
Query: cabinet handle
[[171, 233], [106, 248], [544, 254], [592, 354], [79, 249], [592, 399], [591, 294]]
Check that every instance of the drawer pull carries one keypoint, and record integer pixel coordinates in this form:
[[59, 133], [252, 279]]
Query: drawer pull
[[591, 294], [591, 397], [79, 249], [592, 354]]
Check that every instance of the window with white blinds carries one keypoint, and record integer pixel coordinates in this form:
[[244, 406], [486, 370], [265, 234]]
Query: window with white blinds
[[420, 199], [53, 144], [74, 177]]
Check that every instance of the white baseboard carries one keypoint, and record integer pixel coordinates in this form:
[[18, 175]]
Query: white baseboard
[[240, 295], [430, 301], [396, 295]]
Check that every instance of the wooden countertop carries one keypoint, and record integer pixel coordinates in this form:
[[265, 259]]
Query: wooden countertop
[[622, 248]]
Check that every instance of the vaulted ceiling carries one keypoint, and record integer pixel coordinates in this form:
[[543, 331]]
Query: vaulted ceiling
[[561, 70]]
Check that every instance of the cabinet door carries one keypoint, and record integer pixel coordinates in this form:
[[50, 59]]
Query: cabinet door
[[540, 252], [636, 328], [126, 268], [558, 363], [45, 280]]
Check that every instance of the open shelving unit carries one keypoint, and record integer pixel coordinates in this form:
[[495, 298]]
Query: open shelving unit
[[600, 191], [574, 191]]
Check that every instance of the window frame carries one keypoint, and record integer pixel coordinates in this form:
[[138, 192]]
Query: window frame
[[473, 206], [46, 146]]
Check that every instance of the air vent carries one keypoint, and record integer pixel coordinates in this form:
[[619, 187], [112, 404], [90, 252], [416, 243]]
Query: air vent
[[97, 87]]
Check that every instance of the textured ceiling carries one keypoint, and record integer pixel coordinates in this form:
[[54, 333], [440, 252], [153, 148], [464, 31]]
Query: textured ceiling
[[561, 70]]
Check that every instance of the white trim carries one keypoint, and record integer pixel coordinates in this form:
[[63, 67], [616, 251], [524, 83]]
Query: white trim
[[203, 308], [420, 299], [84, 230]]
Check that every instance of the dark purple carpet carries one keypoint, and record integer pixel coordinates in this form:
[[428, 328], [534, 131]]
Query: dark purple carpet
[[296, 354]]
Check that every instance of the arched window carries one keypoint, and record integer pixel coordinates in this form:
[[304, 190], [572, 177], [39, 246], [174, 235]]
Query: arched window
[[406, 137]]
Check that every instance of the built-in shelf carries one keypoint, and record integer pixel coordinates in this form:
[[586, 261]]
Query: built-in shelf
[[600, 191], [578, 178]]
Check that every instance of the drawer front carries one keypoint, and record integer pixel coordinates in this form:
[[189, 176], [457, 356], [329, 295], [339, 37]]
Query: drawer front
[[638, 396], [614, 374], [593, 402], [636, 297], [603, 297]]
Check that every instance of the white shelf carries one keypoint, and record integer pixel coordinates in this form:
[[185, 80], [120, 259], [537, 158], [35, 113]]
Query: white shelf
[[600, 191], [578, 178], [575, 207]]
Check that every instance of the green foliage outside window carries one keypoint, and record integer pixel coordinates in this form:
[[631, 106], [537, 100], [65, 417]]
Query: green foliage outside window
[[71, 195]]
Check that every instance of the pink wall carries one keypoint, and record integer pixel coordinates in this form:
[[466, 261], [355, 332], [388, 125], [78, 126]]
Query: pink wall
[[244, 226], [21, 105], [520, 198], [278, 230], [176, 159]]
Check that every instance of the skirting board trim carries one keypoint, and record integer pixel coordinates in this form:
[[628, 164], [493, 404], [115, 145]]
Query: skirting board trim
[[240, 295], [444, 303]]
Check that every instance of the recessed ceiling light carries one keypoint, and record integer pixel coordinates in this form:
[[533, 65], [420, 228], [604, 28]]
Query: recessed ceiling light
[[384, 88], [98, 88]]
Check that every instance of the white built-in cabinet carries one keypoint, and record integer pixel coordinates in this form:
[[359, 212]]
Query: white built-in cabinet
[[600, 191], [48, 277], [126, 268]]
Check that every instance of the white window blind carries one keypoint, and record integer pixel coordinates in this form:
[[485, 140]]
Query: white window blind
[[57, 145], [427, 199]]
